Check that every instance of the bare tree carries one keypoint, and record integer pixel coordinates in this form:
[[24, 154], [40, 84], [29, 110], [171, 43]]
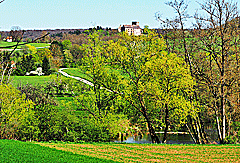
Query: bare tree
[[16, 33], [177, 38], [211, 50], [216, 36]]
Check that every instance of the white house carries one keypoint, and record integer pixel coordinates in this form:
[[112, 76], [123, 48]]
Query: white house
[[37, 72], [131, 29], [9, 39]]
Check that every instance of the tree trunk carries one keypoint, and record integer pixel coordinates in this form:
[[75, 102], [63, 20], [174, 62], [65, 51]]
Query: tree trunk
[[189, 131], [218, 129], [167, 123], [152, 133], [199, 141]]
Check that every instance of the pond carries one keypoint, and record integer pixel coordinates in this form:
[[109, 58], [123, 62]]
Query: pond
[[172, 139]]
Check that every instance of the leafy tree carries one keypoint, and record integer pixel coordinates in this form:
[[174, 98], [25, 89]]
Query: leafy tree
[[27, 64], [46, 66], [67, 59], [17, 119], [28, 40], [44, 52], [77, 54], [169, 86], [100, 101], [177, 39], [150, 85], [57, 50], [67, 44]]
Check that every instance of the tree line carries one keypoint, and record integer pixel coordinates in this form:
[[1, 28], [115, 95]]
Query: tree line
[[211, 50]]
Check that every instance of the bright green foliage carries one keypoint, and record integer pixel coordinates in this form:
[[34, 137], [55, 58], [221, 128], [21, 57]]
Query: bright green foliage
[[43, 52], [100, 102], [67, 58], [99, 127], [67, 44], [17, 119], [53, 123], [169, 84], [29, 49], [32, 49], [156, 81]]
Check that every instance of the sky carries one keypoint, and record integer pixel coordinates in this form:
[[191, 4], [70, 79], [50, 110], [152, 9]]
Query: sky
[[77, 14]]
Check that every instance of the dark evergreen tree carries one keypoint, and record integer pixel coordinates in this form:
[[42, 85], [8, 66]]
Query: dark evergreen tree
[[46, 66], [26, 65]]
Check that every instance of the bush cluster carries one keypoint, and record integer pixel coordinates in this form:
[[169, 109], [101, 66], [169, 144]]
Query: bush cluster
[[31, 113]]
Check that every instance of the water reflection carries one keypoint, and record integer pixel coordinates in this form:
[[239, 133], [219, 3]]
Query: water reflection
[[172, 139]]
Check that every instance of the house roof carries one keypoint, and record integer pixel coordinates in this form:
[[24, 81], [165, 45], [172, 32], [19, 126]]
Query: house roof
[[132, 26]]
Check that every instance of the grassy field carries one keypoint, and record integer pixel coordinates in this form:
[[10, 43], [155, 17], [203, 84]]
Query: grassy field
[[77, 72], [15, 151], [29, 80], [3, 44], [153, 152]]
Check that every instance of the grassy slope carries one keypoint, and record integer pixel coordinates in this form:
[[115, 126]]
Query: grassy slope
[[29, 80], [3, 44], [77, 72], [16, 151], [154, 152]]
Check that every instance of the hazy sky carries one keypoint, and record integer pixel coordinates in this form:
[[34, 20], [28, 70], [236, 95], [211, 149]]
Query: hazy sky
[[58, 14]]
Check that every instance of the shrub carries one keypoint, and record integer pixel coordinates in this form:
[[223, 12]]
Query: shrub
[[234, 137], [17, 119]]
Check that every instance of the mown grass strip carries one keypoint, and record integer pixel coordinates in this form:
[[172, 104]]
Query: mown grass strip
[[16, 151], [154, 152]]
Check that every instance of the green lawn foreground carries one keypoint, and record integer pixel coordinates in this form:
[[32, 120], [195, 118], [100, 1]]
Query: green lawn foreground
[[153, 152], [13, 151]]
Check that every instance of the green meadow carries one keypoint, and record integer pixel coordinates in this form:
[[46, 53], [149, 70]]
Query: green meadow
[[33, 80], [77, 72], [12, 151], [4, 44]]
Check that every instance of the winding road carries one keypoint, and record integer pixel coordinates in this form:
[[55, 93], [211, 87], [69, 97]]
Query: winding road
[[81, 79], [74, 77]]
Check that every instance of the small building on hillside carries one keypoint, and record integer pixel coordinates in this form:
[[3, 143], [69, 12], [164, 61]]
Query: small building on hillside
[[131, 29], [8, 39]]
